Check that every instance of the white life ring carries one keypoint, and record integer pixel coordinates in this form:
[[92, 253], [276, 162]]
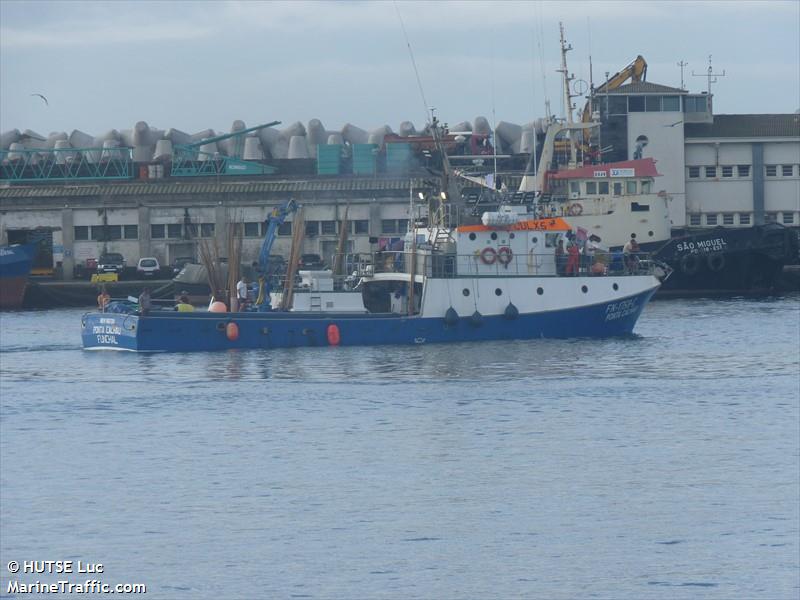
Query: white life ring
[[575, 210]]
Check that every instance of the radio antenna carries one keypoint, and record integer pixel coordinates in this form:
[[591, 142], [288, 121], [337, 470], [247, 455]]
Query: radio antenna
[[413, 62], [712, 77]]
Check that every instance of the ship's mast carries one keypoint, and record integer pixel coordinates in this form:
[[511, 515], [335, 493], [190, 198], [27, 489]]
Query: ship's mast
[[568, 106]]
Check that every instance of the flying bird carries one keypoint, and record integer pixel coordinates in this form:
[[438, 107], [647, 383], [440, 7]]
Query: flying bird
[[43, 98]]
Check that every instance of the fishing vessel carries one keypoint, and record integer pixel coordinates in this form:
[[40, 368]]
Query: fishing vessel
[[497, 280], [15, 267]]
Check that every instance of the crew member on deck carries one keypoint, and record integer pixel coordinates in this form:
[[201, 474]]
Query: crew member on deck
[[103, 299], [183, 305]]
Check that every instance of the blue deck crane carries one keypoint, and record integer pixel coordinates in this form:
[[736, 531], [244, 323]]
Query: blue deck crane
[[273, 222]]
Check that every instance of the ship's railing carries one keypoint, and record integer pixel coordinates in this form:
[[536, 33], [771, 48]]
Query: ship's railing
[[506, 264]]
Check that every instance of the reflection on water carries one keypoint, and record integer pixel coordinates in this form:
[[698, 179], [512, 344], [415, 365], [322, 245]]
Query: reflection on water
[[666, 462]]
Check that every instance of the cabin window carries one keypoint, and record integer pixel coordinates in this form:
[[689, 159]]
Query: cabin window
[[285, 228], [727, 171], [652, 103], [312, 228], [80, 232], [617, 105], [744, 218], [694, 172], [630, 186], [591, 187], [361, 226], [251, 229], [575, 187], [788, 218], [671, 104], [772, 170], [695, 104], [207, 230], [727, 219], [636, 207], [130, 232], [602, 187], [743, 170], [636, 104], [328, 227], [617, 188], [157, 232], [711, 172], [711, 219], [550, 240], [646, 186], [694, 220], [787, 170]]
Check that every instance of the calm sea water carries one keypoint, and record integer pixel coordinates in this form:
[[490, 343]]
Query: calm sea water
[[663, 466]]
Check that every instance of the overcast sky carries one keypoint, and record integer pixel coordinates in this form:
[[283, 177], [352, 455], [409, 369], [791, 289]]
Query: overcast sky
[[199, 65]]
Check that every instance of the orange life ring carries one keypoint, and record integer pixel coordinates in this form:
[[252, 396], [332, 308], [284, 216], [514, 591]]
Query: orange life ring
[[576, 210], [232, 331], [334, 338], [504, 255], [488, 255]]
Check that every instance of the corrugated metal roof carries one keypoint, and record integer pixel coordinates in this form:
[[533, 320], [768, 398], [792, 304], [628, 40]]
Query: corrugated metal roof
[[745, 126], [644, 87], [173, 187]]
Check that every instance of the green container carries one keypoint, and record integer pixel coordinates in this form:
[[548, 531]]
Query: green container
[[329, 159], [364, 159]]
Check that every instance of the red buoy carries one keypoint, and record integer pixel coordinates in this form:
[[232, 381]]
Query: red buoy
[[333, 335], [232, 331]]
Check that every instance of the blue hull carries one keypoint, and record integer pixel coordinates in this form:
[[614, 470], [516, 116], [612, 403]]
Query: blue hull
[[187, 332], [15, 266]]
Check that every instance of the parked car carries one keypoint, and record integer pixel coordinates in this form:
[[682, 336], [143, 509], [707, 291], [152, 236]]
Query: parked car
[[111, 262], [311, 262], [179, 263], [148, 267]]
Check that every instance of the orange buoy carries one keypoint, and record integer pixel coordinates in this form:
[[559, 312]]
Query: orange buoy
[[232, 331], [333, 335], [218, 307]]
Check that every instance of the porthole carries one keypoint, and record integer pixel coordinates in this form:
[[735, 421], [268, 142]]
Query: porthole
[[498, 292], [472, 236], [465, 291], [539, 291], [584, 289], [650, 233], [616, 287], [493, 236], [511, 235], [534, 240]]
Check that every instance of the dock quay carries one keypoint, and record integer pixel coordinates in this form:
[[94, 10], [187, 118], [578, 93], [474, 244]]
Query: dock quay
[[52, 293]]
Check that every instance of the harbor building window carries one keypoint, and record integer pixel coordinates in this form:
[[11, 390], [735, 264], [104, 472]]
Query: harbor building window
[[618, 188], [772, 170], [727, 171], [361, 226], [744, 218], [402, 226], [574, 187], [602, 187], [106, 233], [711, 219], [207, 230], [285, 228], [787, 170], [591, 187], [652, 103], [743, 170], [630, 186], [174, 231], [788, 218], [671, 104], [388, 226], [694, 172], [130, 232], [252, 229], [636, 104], [312, 228], [157, 232], [328, 227], [80, 232], [771, 218], [646, 187], [694, 220], [711, 171], [727, 219]]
